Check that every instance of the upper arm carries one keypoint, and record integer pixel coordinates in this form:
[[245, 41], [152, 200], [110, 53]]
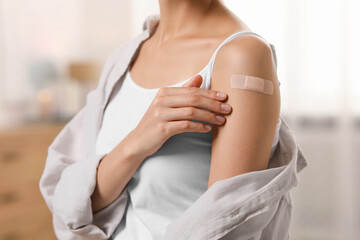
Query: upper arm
[[243, 143]]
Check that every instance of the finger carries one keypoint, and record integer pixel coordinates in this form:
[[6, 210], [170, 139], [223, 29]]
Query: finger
[[212, 94], [189, 113], [195, 81], [176, 127], [197, 101]]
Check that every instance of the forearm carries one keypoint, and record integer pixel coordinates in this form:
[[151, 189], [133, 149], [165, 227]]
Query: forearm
[[114, 172]]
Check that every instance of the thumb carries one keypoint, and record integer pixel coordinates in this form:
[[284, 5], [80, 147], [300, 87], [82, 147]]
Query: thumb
[[194, 81]]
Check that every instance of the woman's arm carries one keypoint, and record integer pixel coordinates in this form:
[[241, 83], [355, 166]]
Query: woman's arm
[[68, 181], [244, 142], [168, 114], [69, 176], [114, 171]]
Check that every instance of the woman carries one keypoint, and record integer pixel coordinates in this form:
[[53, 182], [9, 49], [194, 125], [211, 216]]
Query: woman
[[138, 161]]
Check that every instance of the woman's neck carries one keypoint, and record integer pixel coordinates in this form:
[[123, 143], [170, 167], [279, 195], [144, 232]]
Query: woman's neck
[[183, 18]]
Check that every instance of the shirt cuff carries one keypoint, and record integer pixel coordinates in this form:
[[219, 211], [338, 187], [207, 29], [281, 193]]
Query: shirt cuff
[[72, 204]]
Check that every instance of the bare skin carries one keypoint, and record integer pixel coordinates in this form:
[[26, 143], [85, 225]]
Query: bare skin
[[186, 37], [197, 38]]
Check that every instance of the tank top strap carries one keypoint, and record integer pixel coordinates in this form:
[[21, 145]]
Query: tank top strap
[[228, 39]]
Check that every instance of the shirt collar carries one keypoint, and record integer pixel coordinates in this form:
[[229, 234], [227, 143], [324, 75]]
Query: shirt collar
[[151, 22]]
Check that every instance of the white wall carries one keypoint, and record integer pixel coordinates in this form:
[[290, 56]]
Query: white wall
[[34, 30], [58, 30], [2, 63], [140, 10], [104, 25]]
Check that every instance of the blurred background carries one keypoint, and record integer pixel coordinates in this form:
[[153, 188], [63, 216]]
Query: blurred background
[[51, 53]]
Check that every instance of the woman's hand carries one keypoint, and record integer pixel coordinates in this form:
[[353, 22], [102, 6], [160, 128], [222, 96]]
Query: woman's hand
[[171, 113]]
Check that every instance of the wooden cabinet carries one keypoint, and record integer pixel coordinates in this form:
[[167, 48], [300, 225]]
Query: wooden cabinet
[[23, 212]]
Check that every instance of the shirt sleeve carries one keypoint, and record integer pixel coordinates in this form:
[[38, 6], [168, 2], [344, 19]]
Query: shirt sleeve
[[69, 176], [254, 205], [242, 204], [68, 181]]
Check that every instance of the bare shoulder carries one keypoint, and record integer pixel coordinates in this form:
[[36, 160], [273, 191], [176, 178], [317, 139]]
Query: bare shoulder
[[247, 54], [243, 143]]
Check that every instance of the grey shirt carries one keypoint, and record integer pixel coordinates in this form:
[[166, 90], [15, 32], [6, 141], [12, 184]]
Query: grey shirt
[[255, 205]]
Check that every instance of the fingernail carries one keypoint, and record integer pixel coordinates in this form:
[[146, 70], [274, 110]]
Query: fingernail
[[221, 94], [225, 106], [220, 118], [208, 127]]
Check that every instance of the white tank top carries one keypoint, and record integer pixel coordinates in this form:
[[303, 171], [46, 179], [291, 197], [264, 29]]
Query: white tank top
[[173, 178]]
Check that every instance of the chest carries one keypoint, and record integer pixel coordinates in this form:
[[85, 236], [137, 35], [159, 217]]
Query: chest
[[160, 66]]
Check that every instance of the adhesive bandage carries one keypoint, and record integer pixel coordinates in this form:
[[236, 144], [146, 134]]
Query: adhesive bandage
[[252, 83]]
